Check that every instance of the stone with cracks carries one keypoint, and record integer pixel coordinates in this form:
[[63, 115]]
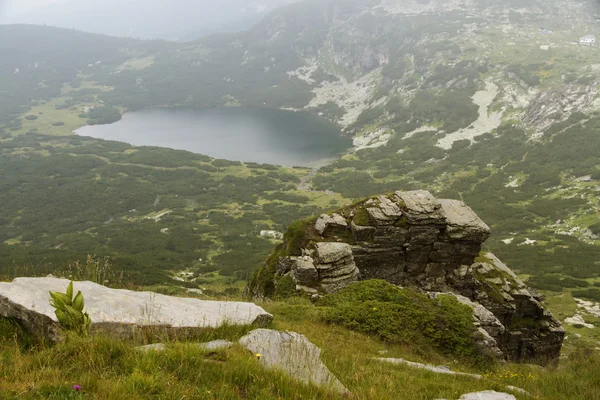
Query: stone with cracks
[[412, 239], [27, 300], [463, 223], [293, 354], [327, 252], [327, 221]]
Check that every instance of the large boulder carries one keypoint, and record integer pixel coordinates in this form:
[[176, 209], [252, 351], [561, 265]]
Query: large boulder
[[27, 300], [293, 354], [416, 240]]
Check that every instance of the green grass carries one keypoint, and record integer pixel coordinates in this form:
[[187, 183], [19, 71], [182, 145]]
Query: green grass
[[48, 115], [107, 368]]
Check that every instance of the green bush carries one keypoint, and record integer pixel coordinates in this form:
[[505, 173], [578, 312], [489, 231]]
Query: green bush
[[592, 294], [397, 315], [595, 229]]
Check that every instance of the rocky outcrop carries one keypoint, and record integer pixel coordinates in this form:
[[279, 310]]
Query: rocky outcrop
[[27, 300], [293, 354], [557, 105], [413, 239], [326, 268]]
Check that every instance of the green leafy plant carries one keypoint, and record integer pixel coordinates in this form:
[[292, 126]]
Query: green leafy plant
[[69, 311]]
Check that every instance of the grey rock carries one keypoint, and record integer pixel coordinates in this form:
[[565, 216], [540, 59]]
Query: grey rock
[[306, 289], [363, 233], [326, 221], [331, 269], [421, 207], [495, 281], [304, 272], [463, 223], [412, 239], [152, 347], [379, 217], [432, 368], [293, 354], [120, 311], [518, 390], [389, 208], [215, 345], [487, 395], [330, 252], [210, 346]]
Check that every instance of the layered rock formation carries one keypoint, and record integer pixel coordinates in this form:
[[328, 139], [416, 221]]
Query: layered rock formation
[[413, 239]]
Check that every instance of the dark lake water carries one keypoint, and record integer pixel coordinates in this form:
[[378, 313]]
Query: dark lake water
[[242, 134]]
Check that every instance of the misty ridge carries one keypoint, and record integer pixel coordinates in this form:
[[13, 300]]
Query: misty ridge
[[179, 20]]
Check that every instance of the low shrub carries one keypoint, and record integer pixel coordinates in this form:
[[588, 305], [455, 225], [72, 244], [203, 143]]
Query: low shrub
[[592, 294], [396, 315]]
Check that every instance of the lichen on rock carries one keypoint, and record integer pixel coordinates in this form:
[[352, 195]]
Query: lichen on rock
[[413, 239]]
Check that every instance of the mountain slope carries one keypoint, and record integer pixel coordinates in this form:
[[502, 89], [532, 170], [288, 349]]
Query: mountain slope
[[496, 104]]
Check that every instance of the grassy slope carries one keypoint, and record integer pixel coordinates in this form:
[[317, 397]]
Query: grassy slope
[[111, 369]]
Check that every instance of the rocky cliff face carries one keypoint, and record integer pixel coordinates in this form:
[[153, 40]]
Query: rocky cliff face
[[413, 239]]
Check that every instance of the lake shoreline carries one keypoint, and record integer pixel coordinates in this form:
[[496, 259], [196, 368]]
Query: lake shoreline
[[247, 134]]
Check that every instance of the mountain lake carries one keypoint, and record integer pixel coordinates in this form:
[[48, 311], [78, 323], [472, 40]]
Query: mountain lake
[[259, 135]]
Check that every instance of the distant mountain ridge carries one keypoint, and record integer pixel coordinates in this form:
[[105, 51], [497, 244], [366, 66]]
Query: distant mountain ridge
[[151, 19]]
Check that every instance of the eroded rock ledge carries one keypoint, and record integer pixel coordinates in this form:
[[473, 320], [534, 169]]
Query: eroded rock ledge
[[413, 239]]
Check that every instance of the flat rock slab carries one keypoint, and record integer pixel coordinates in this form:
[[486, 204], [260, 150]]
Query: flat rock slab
[[432, 368], [210, 346], [293, 354], [463, 223], [28, 301], [488, 395]]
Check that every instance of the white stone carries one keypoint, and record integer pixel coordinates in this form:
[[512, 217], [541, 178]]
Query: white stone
[[589, 307], [528, 242], [271, 235], [293, 354], [210, 346], [488, 395], [432, 368], [152, 347], [578, 320], [28, 301]]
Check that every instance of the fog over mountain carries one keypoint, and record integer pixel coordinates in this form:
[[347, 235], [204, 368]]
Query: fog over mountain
[[173, 19]]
